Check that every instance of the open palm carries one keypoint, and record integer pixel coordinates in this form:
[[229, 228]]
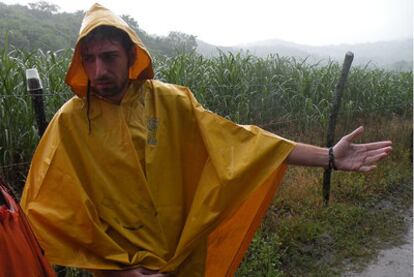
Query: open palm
[[359, 157]]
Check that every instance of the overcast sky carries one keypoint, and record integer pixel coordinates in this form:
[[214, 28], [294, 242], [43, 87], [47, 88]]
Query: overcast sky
[[231, 22]]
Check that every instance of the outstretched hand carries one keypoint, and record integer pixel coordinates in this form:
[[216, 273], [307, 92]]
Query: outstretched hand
[[359, 157]]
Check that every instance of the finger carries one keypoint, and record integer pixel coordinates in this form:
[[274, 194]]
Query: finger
[[151, 273], [367, 168], [375, 152], [145, 271], [375, 145], [374, 159], [355, 134]]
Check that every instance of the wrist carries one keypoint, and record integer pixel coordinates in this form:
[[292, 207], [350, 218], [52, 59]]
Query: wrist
[[331, 159]]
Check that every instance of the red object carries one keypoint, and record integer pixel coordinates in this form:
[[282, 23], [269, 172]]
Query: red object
[[20, 253]]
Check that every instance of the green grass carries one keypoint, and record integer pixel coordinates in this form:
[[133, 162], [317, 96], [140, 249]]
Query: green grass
[[18, 134], [366, 213]]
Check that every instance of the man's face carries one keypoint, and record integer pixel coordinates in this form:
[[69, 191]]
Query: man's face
[[106, 63]]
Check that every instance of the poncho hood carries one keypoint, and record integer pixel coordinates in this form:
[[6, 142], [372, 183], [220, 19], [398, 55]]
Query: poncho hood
[[98, 15]]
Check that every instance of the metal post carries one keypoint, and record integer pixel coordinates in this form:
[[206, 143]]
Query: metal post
[[35, 89]]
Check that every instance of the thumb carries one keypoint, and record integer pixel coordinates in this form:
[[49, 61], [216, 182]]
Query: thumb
[[355, 134]]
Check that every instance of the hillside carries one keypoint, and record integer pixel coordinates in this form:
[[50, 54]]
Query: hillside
[[41, 25], [38, 27], [395, 54]]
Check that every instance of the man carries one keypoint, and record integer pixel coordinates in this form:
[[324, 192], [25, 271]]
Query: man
[[133, 177]]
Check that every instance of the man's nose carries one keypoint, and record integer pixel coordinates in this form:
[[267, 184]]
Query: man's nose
[[100, 68]]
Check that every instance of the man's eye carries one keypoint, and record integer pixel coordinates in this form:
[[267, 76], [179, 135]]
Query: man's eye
[[110, 57]]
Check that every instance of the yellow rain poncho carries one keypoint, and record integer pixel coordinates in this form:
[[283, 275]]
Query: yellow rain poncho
[[159, 182]]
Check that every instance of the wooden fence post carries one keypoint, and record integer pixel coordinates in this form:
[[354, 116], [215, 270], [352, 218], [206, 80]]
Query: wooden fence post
[[349, 56]]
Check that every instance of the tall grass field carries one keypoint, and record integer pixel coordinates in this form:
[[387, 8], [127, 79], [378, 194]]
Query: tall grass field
[[288, 96]]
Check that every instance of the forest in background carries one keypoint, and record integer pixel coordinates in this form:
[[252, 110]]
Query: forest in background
[[41, 25]]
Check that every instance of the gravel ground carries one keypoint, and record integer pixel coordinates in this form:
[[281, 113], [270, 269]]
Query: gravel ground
[[393, 262]]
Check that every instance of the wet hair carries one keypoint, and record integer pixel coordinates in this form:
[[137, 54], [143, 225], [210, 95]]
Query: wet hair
[[108, 33]]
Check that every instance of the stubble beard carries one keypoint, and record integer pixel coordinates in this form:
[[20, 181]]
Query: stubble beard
[[111, 92]]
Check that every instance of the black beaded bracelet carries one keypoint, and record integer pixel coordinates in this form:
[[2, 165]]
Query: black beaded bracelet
[[331, 164]]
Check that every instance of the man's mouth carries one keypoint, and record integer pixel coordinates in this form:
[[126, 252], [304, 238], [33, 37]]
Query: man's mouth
[[104, 84]]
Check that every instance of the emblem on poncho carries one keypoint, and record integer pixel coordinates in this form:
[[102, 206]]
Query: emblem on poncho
[[152, 125]]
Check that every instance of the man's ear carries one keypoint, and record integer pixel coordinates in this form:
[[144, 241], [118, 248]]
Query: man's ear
[[132, 56]]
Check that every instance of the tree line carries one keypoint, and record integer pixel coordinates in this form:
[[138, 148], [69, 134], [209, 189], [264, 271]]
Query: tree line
[[41, 25]]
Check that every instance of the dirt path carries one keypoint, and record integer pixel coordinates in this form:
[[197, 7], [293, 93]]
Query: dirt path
[[392, 262]]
